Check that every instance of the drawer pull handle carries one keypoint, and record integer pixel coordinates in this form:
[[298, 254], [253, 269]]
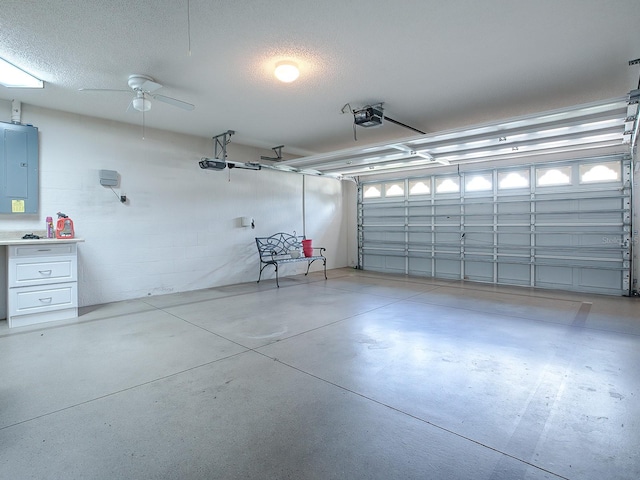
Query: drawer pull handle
[[45, 272], [46, 300], [44, 249]]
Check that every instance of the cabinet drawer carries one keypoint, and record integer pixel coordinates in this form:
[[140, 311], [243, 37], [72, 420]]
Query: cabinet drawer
[[28, 300], [44, 250], [42, 270]]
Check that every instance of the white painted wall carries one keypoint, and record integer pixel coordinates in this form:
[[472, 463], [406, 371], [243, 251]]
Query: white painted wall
[[180, 229]]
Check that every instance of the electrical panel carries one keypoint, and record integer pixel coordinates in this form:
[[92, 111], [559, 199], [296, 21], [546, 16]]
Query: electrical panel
[[18, 168]]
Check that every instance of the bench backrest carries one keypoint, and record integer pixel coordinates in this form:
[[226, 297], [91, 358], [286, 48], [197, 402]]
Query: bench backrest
[[278, 244]]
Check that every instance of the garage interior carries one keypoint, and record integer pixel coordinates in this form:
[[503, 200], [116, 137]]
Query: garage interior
[[471, 175]]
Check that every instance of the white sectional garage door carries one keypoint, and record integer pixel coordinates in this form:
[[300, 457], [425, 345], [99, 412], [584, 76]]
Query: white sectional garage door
[[561, 225]]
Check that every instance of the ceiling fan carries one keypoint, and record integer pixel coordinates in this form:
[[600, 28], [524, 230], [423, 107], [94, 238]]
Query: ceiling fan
[[143, 87]]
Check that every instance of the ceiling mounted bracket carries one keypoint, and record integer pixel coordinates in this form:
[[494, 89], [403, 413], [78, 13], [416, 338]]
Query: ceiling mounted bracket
[[278, 152], [220, 144]]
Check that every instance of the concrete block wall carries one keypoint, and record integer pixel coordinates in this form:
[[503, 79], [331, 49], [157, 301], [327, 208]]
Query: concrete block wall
[[180, 229]]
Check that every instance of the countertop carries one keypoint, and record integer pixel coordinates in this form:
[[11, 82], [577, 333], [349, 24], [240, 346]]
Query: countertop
[[15, 238]]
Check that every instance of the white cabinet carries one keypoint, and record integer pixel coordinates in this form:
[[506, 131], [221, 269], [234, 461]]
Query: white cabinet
[[43, 283]]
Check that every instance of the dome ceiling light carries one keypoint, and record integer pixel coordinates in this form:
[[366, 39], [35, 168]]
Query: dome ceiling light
[[286, 71]]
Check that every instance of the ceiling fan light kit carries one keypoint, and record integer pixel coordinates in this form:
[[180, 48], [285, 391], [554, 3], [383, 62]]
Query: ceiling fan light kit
[[141, 103]]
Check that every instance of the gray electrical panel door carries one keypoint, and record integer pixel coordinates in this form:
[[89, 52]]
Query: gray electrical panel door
[[18, 168]]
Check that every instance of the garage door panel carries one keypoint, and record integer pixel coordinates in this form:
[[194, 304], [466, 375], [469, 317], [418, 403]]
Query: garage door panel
[[511, 205], [557, 239], [417, 210], [447, 268], [604, 240], [555, 206], [560, 219], [385, 263], [599, 280], [451, 237], [394, 264], [554, 277], [513, 220], [479, 242], [478, 270], [476, 220], [514, 274], [420, 266], [601, 203], [373, 261], [514, 238], [419, 238], [481, 206]]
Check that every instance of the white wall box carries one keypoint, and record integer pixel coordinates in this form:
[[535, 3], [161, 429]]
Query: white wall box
[[42, 283]]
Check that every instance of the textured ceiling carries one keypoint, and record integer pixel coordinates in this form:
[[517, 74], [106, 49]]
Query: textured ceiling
[[437, 65]]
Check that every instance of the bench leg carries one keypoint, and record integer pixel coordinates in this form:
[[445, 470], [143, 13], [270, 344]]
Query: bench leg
[[265, 266], [324, 263]]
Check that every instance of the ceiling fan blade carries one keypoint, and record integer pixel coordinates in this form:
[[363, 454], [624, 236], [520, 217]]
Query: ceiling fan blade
[[150, 86], [103, 90], [173, 101]]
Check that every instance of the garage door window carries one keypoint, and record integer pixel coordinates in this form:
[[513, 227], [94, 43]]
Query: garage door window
[[394, 189], [372, 191], [601, 172], [447, 185], [546, 177], [478, 183], [509, 180], [420, 187]]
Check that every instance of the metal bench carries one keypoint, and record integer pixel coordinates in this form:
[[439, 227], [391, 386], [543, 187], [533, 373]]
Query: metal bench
[[282, 248]]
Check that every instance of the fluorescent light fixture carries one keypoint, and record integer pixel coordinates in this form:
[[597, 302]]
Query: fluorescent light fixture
[[14, 77]]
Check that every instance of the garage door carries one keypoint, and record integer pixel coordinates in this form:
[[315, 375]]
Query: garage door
[[561, 225]]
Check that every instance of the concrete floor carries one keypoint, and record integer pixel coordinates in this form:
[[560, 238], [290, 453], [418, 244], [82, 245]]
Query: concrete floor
[[361, 376]]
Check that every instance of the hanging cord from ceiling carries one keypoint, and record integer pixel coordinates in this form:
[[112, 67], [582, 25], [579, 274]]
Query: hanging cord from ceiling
[[143, 125], [189, 26], [347, 106]]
